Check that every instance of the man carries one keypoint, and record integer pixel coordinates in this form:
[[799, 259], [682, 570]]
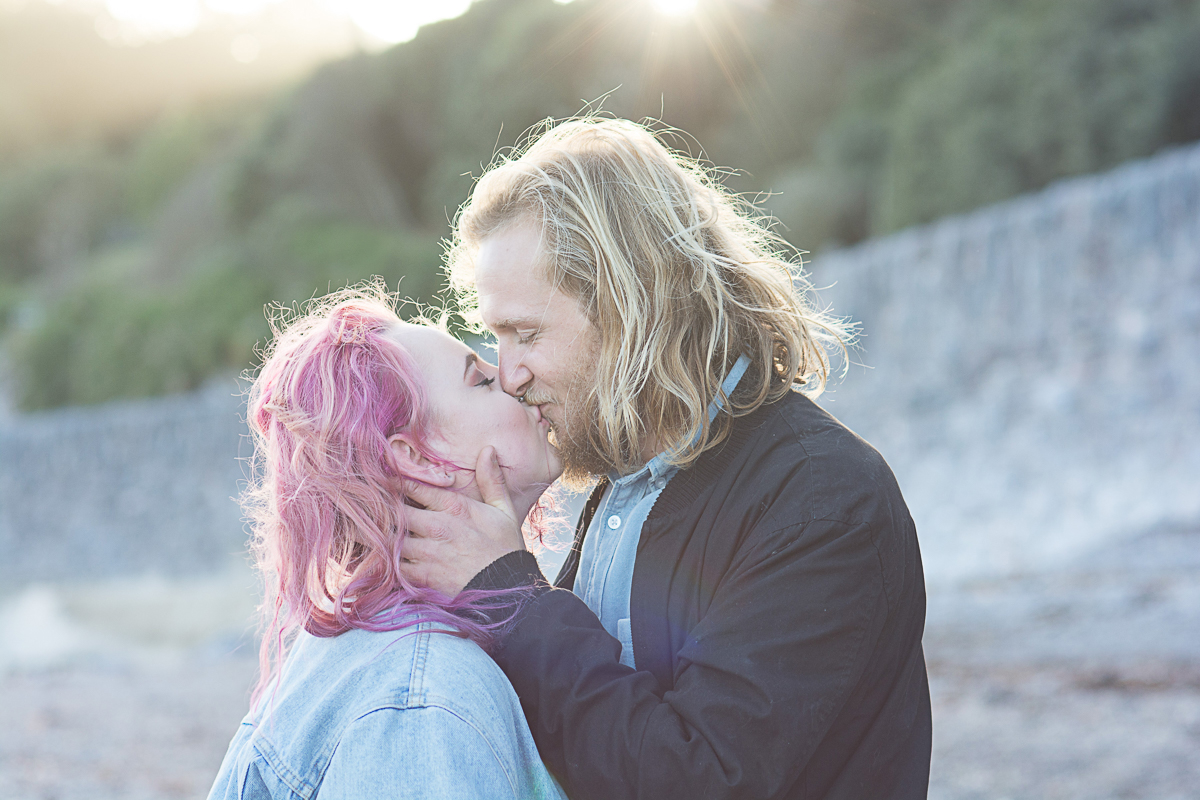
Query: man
[[748, 600]]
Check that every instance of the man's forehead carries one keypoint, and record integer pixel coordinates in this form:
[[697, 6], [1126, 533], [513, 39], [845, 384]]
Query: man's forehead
[[504, 308], [510, 287]]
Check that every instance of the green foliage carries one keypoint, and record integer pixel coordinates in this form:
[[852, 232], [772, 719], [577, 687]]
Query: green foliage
[[55, 206], [151, 259], [10, 300], [1038, 92], [23, 197], [105, 340], [988, 99], [340, 253], [165, 155]]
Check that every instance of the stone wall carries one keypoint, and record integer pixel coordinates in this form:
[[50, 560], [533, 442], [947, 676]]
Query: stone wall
[[126, 488], [1032, 370], [1034, 379]]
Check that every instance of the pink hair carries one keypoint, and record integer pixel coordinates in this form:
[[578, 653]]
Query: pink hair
[[326, 500]]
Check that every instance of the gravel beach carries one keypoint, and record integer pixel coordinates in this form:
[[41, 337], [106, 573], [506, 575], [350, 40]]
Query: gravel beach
[[1082, 683]]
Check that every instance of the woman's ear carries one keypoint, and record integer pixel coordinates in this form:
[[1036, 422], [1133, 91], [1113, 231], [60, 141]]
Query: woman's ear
[[414, 464]]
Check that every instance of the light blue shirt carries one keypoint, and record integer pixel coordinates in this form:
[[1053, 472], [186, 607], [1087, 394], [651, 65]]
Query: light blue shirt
[[605, 575], [365, 715]]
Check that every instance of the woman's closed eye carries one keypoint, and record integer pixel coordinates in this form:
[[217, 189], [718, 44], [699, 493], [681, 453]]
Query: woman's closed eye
[[486, 381]]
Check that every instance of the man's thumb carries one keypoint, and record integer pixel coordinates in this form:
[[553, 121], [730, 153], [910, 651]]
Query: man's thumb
[[490, 479]]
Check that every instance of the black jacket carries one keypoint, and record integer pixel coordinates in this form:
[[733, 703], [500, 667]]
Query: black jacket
[[777, 610]]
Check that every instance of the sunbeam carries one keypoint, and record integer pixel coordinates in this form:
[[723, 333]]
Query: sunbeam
[[674, 8]]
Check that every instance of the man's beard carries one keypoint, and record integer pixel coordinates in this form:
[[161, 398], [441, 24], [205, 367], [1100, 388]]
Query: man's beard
[[574, 439], [575, 435]]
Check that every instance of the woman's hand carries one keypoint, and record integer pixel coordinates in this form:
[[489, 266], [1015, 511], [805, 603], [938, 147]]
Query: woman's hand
[[454, 537]]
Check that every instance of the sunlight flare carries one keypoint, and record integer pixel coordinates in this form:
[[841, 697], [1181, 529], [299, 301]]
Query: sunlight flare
[[239, 8], [674, 8], [398, 20], [157, 18], [139, 21]]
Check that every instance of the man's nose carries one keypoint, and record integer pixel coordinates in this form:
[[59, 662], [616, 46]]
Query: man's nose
[[515, 377]]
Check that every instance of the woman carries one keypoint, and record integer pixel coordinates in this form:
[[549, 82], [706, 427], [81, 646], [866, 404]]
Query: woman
[[387, 690]]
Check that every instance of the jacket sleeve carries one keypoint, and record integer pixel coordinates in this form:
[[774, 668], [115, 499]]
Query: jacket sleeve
[[758, 679]]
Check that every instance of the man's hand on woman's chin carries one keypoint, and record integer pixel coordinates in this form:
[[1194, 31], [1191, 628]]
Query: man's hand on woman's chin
[[453, 537]]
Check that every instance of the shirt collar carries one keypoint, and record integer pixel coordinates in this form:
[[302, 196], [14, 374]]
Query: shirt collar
[[731, 381]]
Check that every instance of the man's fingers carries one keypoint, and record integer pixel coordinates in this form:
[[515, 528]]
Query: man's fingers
[[413, 551], [490, 479], [424, 563], [453, 537], [418, 557], [424, 524], [432, 497], [416, 574]]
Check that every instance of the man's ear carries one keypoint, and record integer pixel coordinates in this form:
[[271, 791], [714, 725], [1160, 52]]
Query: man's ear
[[414, 464]]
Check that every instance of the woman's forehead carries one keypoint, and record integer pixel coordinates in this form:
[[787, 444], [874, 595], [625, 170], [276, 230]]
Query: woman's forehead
[[433, 349], [418, 333]]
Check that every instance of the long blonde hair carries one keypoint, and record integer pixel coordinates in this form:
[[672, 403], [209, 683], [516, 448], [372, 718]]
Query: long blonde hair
[[679, 276]]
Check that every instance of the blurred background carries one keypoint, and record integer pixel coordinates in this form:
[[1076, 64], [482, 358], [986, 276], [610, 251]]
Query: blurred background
[[1004, 193]]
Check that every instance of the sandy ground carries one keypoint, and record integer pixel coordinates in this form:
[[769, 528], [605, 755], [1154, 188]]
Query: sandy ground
[[122, 690], [1080, 683]]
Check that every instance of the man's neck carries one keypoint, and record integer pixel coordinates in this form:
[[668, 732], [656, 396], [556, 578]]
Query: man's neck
[[649, 451]]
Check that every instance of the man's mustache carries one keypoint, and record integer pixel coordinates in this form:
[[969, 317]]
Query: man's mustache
[[532, 399]]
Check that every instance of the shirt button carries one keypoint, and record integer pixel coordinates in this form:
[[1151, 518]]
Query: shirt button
[[614, 522]]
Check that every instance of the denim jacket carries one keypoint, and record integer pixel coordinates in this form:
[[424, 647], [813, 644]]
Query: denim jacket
[[396, 714]]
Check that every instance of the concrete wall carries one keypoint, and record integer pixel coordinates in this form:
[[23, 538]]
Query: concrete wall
[[1034, 367], [126, 488], [1034, 381]]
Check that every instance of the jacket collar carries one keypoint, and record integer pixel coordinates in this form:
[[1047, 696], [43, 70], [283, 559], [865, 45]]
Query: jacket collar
[[680, 493], [687, 486]]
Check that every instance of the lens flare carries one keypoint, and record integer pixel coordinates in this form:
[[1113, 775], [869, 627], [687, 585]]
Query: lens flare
[[157, 18], [139, 21], [398, 20], [674, 8]]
